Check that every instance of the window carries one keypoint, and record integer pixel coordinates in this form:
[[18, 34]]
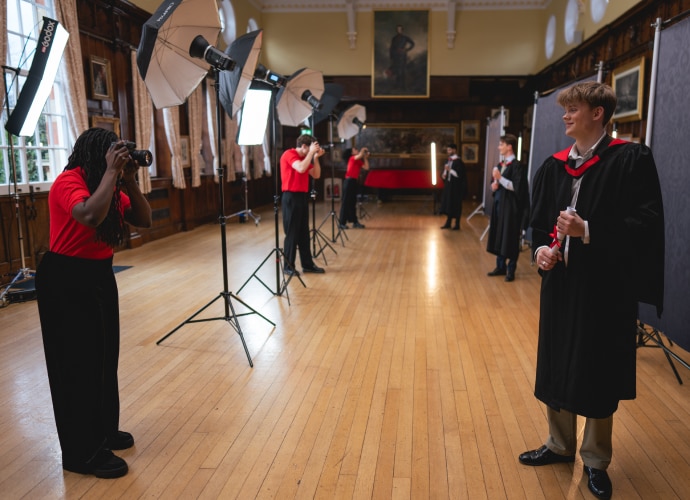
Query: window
[[40, 157]]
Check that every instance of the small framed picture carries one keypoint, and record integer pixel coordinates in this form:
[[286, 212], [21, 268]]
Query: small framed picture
[[184, 150], [470, 130], [627, 84], [106, 122], [470, 153], [101, 79]]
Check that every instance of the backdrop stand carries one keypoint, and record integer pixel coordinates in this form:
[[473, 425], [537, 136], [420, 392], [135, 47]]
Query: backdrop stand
[[230, 315], [317, 237], [335, 221], [643, 335]]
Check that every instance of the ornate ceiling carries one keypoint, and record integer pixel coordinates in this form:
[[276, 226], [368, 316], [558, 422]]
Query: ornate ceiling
[[364, 5]]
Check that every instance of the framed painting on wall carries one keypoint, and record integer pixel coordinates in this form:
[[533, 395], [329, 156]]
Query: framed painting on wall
[[470, 130], [627, 84], [406, 139], [101, 78], [401, 54], [470, 153], [112, 124]]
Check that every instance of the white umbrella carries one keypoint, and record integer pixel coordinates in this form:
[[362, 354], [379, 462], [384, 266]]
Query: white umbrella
[[351, 121], [170, 73], [293, 107]]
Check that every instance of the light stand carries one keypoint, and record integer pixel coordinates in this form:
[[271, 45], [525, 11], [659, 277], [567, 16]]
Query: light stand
[[281, 284], [24, 272], [230, 315], [332, 215], [317, 236], [247, 210]]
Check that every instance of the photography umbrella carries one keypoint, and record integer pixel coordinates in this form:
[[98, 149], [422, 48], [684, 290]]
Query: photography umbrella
[[293, 106], [330, 98], [351, 121], [170, 73], [234, 84]]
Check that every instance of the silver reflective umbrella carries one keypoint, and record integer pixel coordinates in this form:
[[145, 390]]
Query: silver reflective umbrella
[[163, 59], [351, 121], [293, 106]]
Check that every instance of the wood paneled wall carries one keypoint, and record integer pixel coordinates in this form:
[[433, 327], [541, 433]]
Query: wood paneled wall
[[111, 28]]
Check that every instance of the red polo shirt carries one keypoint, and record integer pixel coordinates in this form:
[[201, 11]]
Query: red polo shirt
[[291, 179]]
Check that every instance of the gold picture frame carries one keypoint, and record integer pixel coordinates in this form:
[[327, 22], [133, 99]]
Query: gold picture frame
[[406, 140], [470, 130], [400, 63], [101, 78], [627, 84], [106, 122], [470, 153]]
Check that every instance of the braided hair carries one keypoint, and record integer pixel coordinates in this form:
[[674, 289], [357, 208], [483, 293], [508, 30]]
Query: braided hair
[[89, 154]]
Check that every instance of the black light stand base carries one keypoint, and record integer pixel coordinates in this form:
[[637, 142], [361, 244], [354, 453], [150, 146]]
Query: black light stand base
[[318, 238], [233, 319], [643, 335], [335, 223], [20, 289], [362, 213]]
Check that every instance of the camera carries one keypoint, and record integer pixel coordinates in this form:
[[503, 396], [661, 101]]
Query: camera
[[141, 157]]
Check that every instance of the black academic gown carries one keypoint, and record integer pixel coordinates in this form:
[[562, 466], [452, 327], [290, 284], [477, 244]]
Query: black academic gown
[[509, 213], [587, 325], [454, 189]]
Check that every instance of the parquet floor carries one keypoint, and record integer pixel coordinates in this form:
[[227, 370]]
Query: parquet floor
[[404, 372]]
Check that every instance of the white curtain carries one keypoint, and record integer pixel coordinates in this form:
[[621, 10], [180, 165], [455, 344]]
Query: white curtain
[[75, 95], [171, 119], [233, 152], [195, 108], [143, 121], [211, 123]]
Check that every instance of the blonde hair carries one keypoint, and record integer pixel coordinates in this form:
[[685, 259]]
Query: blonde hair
[[594, 94]]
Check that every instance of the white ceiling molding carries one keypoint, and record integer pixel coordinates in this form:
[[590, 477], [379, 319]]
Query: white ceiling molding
[[367, 5]]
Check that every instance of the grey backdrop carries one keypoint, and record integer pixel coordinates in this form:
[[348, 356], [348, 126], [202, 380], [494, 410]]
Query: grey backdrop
[[670, 128]]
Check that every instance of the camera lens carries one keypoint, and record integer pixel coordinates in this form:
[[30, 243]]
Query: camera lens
[[142, 157]]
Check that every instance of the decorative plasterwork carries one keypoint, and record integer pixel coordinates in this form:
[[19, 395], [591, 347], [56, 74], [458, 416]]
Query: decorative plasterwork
[[365, 5]]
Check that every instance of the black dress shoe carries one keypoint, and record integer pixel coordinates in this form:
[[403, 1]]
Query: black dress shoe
[[445, 226], [456, 228], [544, 456], [105, 465], [314, 269], [120, 441], [357, 225], [342, 226], [599, 482], [510, 277], [497, 272]]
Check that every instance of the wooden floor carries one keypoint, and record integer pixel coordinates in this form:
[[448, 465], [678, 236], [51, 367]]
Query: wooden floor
[[403, 372]]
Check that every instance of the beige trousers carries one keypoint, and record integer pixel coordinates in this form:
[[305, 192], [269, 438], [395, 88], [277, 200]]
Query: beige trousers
[[596, 449]]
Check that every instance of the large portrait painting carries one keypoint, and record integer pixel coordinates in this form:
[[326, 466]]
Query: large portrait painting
[[406, 139], [401, 53]]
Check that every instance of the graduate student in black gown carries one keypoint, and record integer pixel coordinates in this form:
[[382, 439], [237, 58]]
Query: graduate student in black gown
[[610, 257], [454, 188], [510, 209]]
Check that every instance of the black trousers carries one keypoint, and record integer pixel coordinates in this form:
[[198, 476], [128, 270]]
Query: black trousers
[[296, 227], [80, 323], [348, 208]]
